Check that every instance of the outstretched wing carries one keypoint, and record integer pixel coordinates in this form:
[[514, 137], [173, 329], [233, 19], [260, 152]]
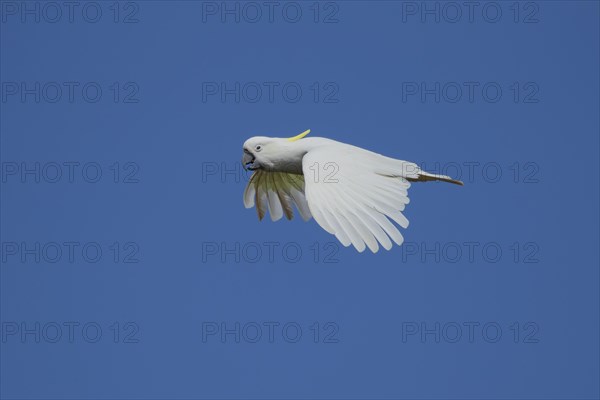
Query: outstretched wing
[[354, 193], [277, 192]]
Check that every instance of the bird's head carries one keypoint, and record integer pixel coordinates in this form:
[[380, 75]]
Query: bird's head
[[267, 153]]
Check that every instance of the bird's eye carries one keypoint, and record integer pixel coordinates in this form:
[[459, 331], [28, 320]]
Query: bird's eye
[[258, 147]]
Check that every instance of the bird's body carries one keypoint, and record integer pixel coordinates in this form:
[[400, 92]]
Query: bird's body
[[351, 192]]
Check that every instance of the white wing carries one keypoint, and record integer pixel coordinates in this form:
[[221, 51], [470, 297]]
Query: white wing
[[277, 192], [354, 193]]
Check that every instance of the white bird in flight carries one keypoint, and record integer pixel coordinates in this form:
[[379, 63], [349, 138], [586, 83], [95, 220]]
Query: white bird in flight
[[351, 192]]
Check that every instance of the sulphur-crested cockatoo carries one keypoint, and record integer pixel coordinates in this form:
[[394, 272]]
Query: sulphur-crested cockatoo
[[351, 192]]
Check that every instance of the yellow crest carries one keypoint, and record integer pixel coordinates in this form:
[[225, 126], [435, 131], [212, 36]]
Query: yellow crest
[[300, 136]]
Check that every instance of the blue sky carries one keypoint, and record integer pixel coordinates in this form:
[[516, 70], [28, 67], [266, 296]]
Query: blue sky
[[131, 268]]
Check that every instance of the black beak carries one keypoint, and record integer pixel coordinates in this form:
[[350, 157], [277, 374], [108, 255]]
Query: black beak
[[248, 160]]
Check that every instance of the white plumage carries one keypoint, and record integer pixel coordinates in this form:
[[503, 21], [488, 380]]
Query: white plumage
[[351, 192]]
